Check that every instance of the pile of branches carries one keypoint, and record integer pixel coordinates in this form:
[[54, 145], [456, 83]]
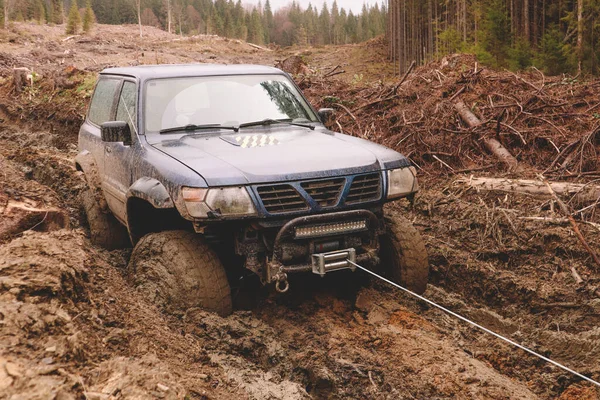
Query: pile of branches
[[548, 124]]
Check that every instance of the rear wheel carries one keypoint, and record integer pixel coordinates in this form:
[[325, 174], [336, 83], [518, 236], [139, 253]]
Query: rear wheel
[[105, 230], [403, 255], [177, 270]]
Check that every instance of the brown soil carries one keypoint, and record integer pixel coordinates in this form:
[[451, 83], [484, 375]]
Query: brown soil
[[72, 327]]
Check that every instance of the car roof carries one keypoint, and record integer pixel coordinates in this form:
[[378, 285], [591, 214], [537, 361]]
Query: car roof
[[144, 72]]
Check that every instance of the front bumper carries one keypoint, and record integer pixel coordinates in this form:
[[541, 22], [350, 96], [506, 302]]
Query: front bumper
[[319, 262]]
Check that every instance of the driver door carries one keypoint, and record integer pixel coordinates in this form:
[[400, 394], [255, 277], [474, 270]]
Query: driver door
[[118, 157]]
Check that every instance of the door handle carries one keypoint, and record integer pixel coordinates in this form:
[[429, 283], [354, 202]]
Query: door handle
[[108, 149]]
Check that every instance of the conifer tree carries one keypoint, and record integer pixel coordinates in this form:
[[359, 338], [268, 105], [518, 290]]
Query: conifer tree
[[325, 24], [74, 19], [268, 21], [88, 18], [59, 11], [40, 12], [50, 12], [497, 27]]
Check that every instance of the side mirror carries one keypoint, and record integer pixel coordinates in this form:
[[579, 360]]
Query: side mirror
[[116, 131], [325, 114]]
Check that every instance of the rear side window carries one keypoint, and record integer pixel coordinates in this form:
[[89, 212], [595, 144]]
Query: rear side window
[[102, 102]]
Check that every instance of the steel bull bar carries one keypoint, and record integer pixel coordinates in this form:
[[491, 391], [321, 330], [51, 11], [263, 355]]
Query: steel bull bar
[[319, 227]]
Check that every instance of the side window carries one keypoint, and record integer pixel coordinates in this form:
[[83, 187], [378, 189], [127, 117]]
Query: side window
[[102, 102], [126, 110]]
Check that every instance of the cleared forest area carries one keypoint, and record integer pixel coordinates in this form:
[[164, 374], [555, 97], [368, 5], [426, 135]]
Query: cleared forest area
[[72, 327]]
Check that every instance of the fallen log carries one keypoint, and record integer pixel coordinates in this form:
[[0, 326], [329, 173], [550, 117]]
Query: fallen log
[[565, 210], [258, 47], [491, 144], [583, 193], [559, 221]]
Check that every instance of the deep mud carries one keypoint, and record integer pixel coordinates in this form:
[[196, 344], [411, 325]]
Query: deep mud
[[71, 326]]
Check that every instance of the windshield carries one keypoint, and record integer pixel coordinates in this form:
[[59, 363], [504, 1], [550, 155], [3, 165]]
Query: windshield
[[222, 100]]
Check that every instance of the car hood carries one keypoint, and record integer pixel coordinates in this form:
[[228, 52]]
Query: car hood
[[272, 155]]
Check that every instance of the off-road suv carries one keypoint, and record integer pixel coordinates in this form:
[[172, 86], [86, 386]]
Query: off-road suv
[[205, 167]]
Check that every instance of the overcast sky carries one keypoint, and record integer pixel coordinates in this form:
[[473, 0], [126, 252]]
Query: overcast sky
[[354, 5]]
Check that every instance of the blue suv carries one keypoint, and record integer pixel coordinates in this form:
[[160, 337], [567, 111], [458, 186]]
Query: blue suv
[[209, 170]]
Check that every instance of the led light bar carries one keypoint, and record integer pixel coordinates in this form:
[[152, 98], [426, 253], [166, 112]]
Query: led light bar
[[337, 228]]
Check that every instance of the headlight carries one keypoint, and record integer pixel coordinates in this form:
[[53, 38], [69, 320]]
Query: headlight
[[401, 182], [229, 201]]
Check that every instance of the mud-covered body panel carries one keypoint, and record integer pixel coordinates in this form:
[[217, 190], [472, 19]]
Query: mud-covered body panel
[[299, 153], [211, 158]]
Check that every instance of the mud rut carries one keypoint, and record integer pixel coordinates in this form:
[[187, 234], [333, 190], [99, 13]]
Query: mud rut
[[327, 339]]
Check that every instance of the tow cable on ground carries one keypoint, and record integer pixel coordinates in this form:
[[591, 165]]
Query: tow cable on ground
[[559, 365]]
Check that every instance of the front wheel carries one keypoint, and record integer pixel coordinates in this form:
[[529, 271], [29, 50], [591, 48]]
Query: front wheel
[[177, 270], [403, 255], [105, 230]]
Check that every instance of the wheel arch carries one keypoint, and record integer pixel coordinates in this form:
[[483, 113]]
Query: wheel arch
[[152, 191], [151, 209]]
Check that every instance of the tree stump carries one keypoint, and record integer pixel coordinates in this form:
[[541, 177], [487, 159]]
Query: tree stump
[[20, 78]]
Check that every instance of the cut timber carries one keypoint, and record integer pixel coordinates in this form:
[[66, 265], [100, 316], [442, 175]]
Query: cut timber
[[19, 216], [583, 193], [258, 47], [492, 145]]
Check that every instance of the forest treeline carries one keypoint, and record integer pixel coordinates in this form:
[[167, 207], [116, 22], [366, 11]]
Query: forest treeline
[[259, 24], [554, 35]]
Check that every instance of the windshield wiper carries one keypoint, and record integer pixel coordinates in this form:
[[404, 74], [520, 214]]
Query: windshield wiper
[[270, 121], [192, 127]]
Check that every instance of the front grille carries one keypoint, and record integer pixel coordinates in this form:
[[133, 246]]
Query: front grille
[[281, 198], [364, 188], [325, 193]]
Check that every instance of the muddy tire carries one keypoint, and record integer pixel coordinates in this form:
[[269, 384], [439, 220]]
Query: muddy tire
[[177, 270], [105, 230], [403, 255]]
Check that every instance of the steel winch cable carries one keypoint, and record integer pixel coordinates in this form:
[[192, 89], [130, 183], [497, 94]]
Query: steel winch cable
[[483, 328]]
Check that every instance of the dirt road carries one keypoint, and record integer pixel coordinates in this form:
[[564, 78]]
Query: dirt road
[[71, 326]]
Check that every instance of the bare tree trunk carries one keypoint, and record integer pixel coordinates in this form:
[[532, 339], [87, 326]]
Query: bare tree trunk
[[169, 16], [493, 146], [7, 10], [512, 17], [535, 27], [430, 27], [526, 26], [543, 17], [138, 8], [464, 20], [579, 33], [583, 193]]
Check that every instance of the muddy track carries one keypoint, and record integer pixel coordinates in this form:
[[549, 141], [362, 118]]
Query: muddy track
[[324, 339]]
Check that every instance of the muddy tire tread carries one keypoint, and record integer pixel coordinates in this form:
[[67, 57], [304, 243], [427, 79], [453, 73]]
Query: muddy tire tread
[[177, 270], [105, 230], [412, 270]]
